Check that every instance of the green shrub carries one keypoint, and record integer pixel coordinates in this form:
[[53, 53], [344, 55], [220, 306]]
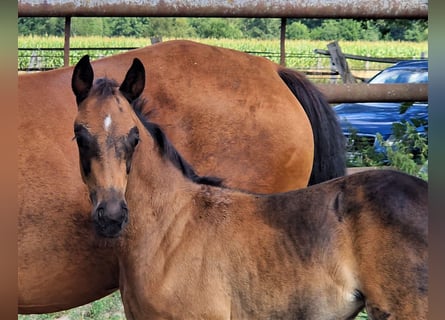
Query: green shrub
[[406, 150]]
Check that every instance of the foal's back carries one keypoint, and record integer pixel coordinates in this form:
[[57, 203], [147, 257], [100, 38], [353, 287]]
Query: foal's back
[[324, 252], [361, 240], [390, 225]]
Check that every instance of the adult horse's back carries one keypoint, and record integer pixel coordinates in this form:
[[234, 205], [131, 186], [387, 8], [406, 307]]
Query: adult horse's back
[[224, 109], [231, 114]]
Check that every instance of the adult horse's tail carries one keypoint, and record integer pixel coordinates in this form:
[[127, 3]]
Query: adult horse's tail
[[329, 142]]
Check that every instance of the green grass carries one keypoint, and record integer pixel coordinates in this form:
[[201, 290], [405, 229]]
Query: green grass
[[108, 308]]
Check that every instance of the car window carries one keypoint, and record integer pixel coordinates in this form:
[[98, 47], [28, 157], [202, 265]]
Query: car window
[[401, 76]]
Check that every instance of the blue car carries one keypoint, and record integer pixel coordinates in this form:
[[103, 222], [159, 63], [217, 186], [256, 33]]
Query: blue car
[[363, 121]]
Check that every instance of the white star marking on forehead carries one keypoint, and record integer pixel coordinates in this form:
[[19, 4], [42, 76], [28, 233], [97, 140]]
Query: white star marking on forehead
[[107, 122]]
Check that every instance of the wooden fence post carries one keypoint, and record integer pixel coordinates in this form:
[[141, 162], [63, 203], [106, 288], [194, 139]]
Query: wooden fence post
[[283, 42], [66, 45], [338, 61]]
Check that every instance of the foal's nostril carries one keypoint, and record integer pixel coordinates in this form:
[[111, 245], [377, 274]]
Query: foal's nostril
[[110, 217], [100, 213]]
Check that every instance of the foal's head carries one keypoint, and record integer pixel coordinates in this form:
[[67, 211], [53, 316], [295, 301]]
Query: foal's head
[[106, 134]]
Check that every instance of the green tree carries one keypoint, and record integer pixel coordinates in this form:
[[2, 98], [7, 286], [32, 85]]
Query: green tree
[[402, 29], [370, 31], [41, 26], [262, 28], [89, 27], [310, 23], [297, 30], [128, 26], [216, 28], [170, 27], [341, 29], [417, 32]]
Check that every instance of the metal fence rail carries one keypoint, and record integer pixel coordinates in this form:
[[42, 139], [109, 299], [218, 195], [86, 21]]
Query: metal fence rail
[[364, 9], [362, 92], [413, 9], [335, 93]]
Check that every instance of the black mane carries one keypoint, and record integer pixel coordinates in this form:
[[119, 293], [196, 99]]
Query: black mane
[[167, 149], [106, 87]]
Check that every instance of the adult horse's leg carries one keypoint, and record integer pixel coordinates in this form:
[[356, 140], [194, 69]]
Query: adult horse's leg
[[329, 142]]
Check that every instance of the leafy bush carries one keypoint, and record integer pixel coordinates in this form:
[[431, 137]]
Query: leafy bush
[[343, 29], [297, 30], [406, 150], [218, 28]]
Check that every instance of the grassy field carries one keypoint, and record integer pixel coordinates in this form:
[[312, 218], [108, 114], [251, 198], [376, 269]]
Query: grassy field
[[299, 53], [108, 308]]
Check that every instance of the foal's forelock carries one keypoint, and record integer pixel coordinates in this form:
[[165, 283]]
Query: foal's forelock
[[104, 87]]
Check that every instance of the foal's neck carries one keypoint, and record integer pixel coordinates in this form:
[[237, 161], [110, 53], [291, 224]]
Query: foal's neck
[[156, 191]]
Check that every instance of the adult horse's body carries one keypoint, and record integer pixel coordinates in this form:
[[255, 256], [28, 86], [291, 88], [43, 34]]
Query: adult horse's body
[[232, 114], [195, 251]]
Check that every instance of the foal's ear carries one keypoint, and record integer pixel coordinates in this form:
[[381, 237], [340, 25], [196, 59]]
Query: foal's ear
[[134, 81], [82, 79]]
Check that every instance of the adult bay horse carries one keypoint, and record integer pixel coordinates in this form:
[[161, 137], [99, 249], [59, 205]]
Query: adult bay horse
[[191, 250], [236, 116]]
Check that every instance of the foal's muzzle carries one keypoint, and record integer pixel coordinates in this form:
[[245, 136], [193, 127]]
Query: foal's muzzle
[[110, 217]]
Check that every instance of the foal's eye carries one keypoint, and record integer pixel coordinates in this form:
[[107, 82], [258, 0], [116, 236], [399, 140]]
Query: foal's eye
[[88, 148], [133, 137], [132, 141], [81, 138]]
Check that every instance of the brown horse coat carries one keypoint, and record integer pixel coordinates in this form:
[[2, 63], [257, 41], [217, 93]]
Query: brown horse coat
[[324, 252], [193, 251], [230, 113]]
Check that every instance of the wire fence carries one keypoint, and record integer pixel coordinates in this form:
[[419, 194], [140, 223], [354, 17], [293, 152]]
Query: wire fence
[[316, 66]]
